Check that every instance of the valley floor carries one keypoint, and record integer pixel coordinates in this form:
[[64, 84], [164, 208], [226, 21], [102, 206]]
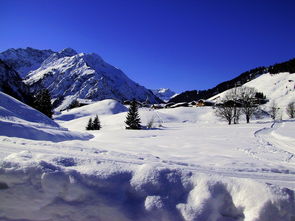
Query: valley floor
[[185, 143]]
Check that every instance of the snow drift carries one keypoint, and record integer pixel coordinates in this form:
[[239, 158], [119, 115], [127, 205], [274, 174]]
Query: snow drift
[[19, 120], [105, 107], [39, 187]]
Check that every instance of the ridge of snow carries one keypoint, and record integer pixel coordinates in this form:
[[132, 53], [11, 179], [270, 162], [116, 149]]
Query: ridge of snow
[[25, 60], [63, 188]]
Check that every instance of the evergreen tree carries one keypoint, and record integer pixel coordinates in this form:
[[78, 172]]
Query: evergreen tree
[[42, 102], [133, 119], [96, 124], [89, 125]]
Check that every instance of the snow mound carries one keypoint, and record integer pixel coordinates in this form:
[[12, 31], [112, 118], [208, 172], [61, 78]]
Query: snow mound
[[37, 187], [19, 120], [105, 107], [11, 108]]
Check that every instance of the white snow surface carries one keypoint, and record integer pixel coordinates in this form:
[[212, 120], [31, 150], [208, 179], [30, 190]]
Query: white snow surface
[[190, 166], [19, 120]]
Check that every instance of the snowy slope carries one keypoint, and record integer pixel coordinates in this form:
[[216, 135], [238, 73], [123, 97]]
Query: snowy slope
[[164, 94], [278, 88], [70, 76], [25, 60], [20, 120]]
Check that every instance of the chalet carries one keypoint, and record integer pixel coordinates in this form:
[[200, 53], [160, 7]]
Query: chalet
[[169, 104], [202, 103], [157, 106]]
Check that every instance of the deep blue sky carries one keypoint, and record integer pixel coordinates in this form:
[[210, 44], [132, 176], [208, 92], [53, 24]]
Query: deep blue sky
[[179, 44]]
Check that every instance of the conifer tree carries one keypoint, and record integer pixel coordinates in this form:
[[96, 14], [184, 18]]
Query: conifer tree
[[89, 125], [133, 119], [96, 124], [42, 102]]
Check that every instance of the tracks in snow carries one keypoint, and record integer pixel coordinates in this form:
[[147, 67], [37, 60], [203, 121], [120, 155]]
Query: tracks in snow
[[271, 148]]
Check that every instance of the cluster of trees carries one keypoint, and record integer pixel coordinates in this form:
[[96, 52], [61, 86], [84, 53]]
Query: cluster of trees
[[246, 100], [237, 101], [93, 124]]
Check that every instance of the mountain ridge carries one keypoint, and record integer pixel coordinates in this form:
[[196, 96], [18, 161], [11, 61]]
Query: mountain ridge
[[25, 60]]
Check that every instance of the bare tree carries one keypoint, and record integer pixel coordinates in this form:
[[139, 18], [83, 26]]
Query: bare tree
[[231, 98], [291, 109], [247, 97], [227, 110], [274, 110]]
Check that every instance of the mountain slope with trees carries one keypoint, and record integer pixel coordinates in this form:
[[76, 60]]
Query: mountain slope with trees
[[12, 84], [187, 96]]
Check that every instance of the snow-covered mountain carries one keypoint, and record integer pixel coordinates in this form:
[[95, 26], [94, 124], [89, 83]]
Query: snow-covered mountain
[[25, 60], [11, 83], [69, 75], [164, 94]]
